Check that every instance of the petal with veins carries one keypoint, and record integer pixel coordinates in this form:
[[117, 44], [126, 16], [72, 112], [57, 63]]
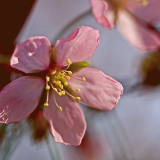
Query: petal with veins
[[138, 33], [149, 13], [31, 55], [99, 90], [67, 126], [103, 13], [79, 46], [19, 98]]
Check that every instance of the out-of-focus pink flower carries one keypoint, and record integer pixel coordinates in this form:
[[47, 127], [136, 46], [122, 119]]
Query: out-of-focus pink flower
[[94, 146], [66, 82], [134, 18]]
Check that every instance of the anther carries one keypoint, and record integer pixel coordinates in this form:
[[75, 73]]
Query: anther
[[60, 93], [58, 82], [78, 98], [69, 72], [65, 83], [46, 104], [78, 90], [47, 78], [55, 89], [68, 77], [83, 79], [60, 108], [63, 92], [68, 61], [47, 87], [60, 86], [57, 104], [53, 72]]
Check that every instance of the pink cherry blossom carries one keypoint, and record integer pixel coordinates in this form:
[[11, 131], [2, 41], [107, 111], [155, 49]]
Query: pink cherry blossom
[[134, 19], [62, 84]]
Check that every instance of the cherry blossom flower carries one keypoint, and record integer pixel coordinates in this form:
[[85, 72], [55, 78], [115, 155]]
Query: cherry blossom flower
[[135, 19], [65, 81]]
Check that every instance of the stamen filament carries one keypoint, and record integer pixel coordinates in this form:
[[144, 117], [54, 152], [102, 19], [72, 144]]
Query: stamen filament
[[55, 89], [47, 99], [83, 78], [76, 98], [57, 104]]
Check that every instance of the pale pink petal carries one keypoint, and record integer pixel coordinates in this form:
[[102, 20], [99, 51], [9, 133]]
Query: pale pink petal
[[103, 13], [99, 91], [149, 13], [19, 98], [79, 46], [31, 55], [67, 126], [138, 33]]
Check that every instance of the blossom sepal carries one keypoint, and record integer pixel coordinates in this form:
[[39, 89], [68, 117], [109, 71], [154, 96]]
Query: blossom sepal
[[75, 67]]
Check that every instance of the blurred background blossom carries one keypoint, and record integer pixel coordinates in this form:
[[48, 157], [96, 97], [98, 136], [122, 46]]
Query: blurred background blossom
[[129, 132]]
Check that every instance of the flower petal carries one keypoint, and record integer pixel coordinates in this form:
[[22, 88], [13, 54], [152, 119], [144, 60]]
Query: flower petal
[[149, 13], [67, 126], [98, 91], [103, 13], [19, 98], [79, 46], [31, 55], [138, 33]]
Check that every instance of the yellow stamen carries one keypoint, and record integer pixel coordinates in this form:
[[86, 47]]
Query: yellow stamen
[[60, 108], [69, 72], [65, 83], [47, 79], [83, 79], [53, 72], [68, 61], [62, 79], [61, 86], [63, 92], [68, 77], [57, 104], [78, 98], [55, 89], [47, 87], [58, 82], [78, 90], [60, 93], [46, 104]]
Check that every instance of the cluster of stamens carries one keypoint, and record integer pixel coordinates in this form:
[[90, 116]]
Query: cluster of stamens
[[57, 80]]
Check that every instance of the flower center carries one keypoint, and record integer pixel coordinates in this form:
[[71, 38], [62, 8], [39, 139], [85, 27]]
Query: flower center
[[57, 81]]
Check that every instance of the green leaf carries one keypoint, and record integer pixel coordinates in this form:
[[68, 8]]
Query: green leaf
[[74, 67]]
